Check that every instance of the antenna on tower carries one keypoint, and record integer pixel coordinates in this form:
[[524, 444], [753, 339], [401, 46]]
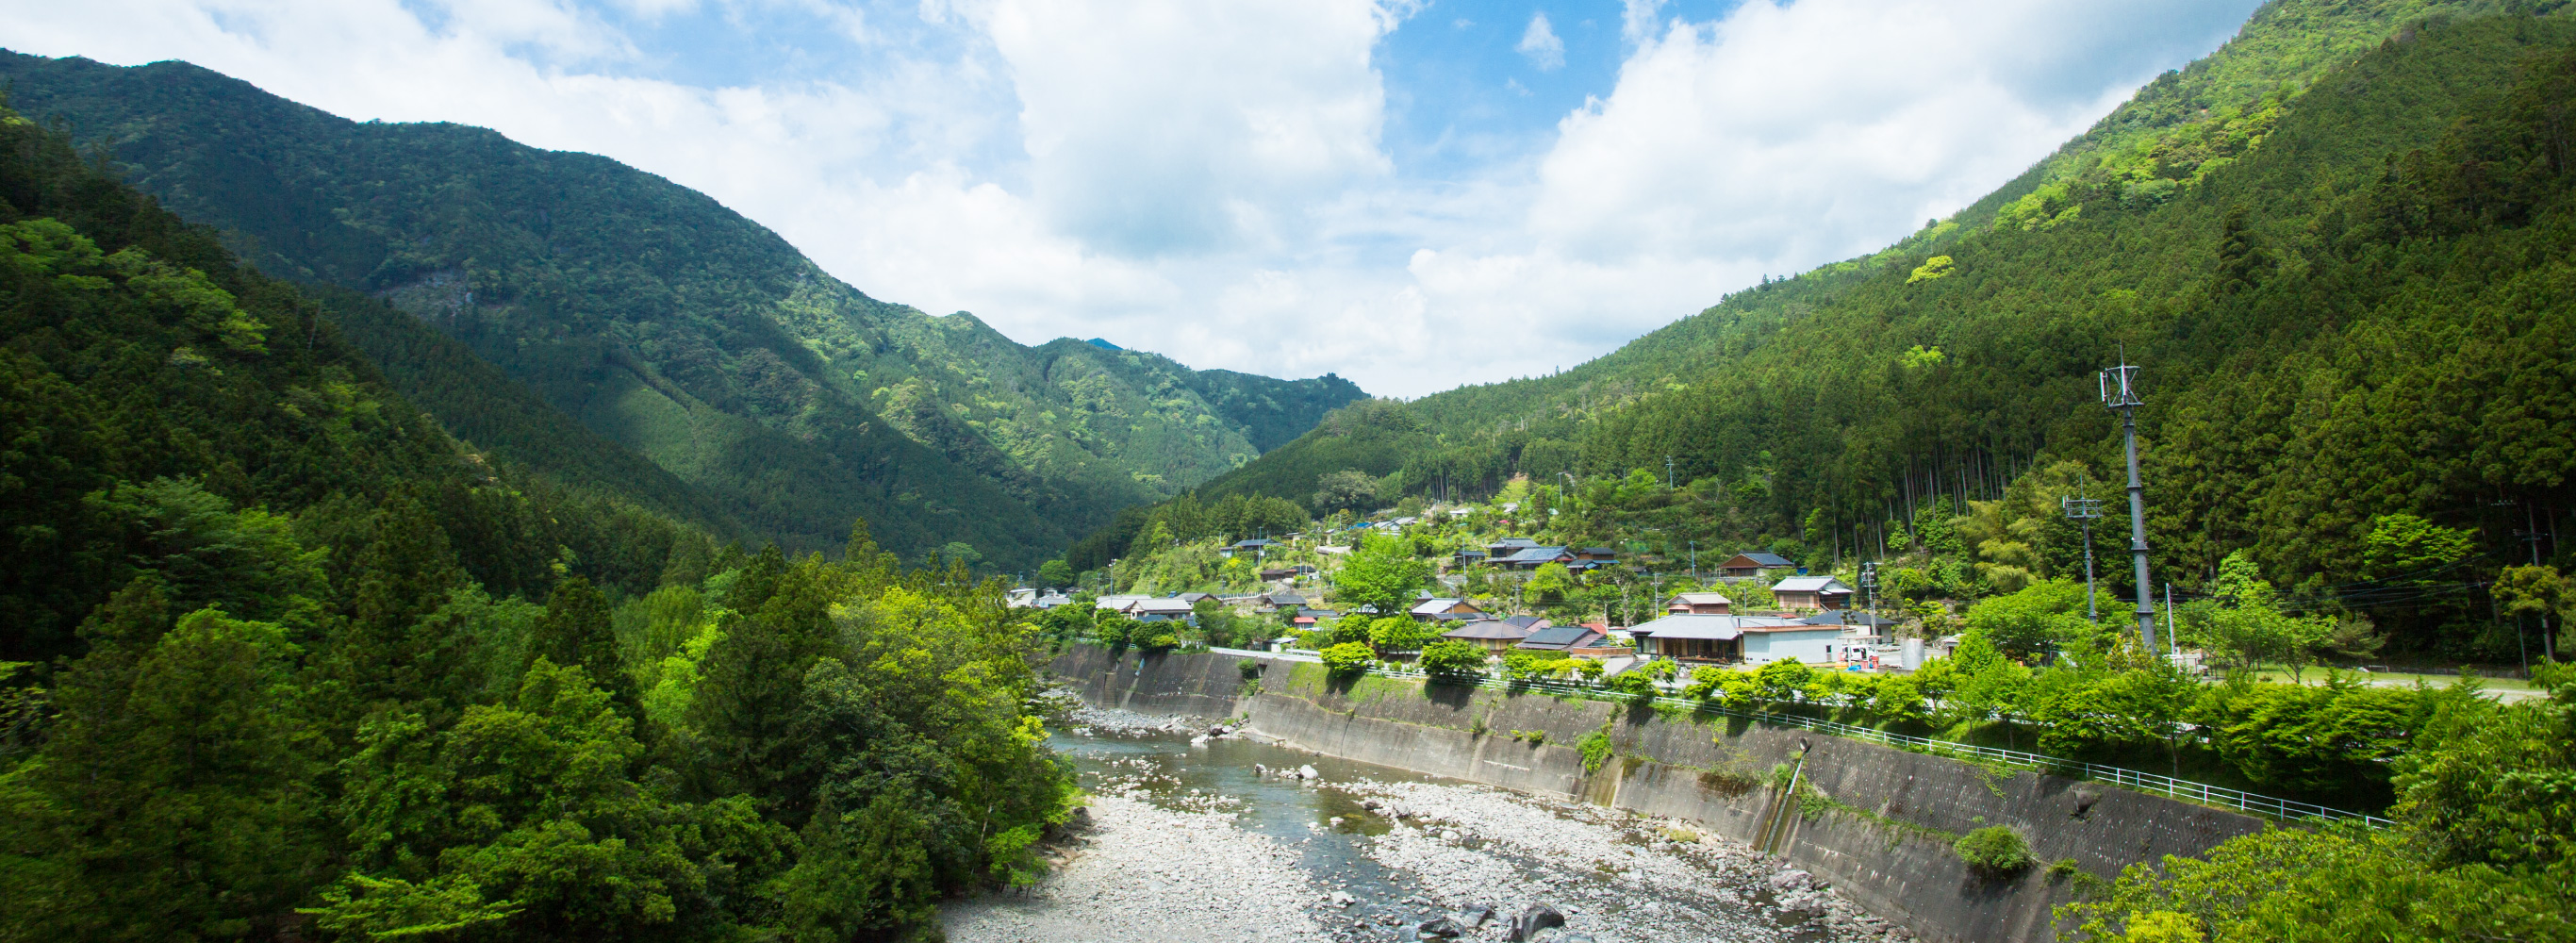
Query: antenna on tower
[[2119, 387]]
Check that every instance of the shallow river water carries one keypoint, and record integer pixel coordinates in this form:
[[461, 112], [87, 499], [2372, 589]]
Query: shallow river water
[[1222, 839]]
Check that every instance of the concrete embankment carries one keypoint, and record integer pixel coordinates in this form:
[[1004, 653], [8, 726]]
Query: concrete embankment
[[1878, 824]]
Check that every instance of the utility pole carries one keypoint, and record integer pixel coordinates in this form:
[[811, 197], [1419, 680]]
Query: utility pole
[[2173, 636], [1668, 473], [2085, 511], [1694, 550], [1869, 587], [2119, 388]]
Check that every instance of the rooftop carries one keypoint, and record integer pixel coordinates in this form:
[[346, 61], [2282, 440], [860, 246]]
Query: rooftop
[[1810, 584]]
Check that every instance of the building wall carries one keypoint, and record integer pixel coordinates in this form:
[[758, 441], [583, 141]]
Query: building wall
[[1762, 647]]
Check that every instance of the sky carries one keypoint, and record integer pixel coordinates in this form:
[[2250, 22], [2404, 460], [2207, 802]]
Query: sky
[[1415, 194]]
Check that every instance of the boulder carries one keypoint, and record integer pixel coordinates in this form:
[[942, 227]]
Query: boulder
[[1477, 916], [1308, 772], [1343, 899], [1441, 928], [1532, 920], [1791, 879]]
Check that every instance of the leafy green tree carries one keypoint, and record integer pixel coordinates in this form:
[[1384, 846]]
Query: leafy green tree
[[2309, 738], [1055, 574], [1346, 490], [173, 800], [532, 823], [1382, 572], [1551, 586], [2407, 547], [576, 630], [2536, 591], [2034, 621], [1400, 634], [1346, 658], [1453, 658]]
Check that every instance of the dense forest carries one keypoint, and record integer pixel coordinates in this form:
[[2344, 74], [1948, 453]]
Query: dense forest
[[2332, 247], [661, 320], [285, 660]]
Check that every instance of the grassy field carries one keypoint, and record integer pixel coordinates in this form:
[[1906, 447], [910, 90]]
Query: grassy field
[[2400, 678]]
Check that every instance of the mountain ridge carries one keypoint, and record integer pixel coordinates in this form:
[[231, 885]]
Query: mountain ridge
[[678, 328]]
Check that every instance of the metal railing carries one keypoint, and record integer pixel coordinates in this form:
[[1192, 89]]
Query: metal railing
[[2184, 789]]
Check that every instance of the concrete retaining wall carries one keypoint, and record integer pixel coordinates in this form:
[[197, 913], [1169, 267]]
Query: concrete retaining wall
[[1883, 841]]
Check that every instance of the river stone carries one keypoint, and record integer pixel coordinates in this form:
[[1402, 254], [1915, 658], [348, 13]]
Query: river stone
[[1477, 916], [1791, 880], [1308, 772], [1538, 917], [1439, 929]]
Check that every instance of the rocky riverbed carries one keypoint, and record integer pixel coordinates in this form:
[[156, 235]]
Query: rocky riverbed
[[1193, 837]]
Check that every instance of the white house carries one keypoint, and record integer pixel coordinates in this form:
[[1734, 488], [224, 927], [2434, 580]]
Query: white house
[[1812, 593], [1749, 639]]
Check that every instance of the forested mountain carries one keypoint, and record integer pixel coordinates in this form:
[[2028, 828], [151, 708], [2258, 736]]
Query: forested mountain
[[272, 664], [670, 324], [2336, 247]]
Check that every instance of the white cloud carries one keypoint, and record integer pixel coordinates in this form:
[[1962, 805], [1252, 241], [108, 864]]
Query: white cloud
[[1168, 127], [1208, 181], [1540, 44]]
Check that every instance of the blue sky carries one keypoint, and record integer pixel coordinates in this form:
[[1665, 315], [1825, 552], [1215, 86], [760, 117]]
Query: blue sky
[[1414, 195]]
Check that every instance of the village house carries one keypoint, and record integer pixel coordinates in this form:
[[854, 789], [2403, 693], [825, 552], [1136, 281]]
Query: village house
[[1496, 635], [1434, 610], [1811, 593], [1561, 639], [1020, 598], [1753, 565], [1508, 546], [1531, 558], [1706, 604], [1052, 599], [1161, 610], [1748, 639], [1252, 547]]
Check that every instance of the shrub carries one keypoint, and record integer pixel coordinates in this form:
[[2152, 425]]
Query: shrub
[[1596, 750], [1453, 658], [1347, 658], [1250, 667], [1993, 851], [1639, 688]]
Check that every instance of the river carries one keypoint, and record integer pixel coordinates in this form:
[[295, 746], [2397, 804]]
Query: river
[[1221, 839]]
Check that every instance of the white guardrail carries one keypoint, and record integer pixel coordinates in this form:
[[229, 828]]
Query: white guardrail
[[2184, 789]]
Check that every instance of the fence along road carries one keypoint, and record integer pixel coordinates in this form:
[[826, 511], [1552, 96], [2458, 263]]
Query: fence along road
[[2142, 781]]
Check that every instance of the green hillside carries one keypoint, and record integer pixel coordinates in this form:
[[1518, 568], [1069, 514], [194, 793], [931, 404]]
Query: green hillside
[[2349, 314], [672, 325], [274, 664]]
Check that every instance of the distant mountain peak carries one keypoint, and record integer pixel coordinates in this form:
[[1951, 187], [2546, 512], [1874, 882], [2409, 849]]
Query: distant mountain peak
[[1102, 344]]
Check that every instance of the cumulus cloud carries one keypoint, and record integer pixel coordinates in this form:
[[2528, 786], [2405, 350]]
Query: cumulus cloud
[[1208, 181], [1540, 44]]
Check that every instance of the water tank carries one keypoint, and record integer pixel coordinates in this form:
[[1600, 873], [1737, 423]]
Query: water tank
[[1910, 657]]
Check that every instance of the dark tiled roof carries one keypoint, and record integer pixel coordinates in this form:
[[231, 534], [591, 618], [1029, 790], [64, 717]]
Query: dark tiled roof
[[1766, 559], [1559, 637], [1487, 629]]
